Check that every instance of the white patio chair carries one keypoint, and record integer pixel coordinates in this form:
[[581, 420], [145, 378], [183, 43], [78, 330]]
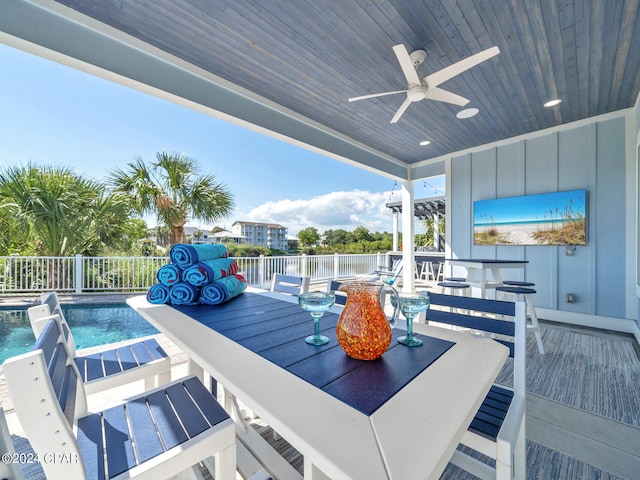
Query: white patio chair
[[391, 277], [289, 284], [341, 297], [109, 367], [9, 470], [498, 428], [156, 435]]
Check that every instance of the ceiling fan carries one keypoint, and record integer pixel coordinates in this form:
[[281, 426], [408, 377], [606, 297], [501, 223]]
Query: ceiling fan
[[418, 90]]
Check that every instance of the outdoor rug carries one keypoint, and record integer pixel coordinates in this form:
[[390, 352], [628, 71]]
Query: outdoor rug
[[585, 369], [542, 464]]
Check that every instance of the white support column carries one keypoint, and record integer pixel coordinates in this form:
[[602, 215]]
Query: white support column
[[408, 245], [395, 231], [436, 231]]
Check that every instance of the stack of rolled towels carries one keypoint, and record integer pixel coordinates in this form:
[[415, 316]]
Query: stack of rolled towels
[[197, 274]]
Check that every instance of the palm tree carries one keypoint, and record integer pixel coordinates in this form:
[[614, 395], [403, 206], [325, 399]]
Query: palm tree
[[160, 235], [172, 189], [64, 212], [59, 213], [14, 234]]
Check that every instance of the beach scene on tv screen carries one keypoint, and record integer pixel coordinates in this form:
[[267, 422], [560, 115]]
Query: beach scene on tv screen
[[557, 218]]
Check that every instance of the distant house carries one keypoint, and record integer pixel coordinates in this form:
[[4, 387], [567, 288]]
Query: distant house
[[292, 243], [198, 236], [225, 236], [270, 235]]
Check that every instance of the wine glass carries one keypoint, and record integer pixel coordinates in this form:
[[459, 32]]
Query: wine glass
[[411, 304], [316, 303]]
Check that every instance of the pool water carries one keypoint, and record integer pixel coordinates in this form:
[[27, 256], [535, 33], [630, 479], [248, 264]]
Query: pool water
[[91, 325]]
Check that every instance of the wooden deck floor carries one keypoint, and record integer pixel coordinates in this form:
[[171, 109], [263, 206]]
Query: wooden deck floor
[[583, 406]]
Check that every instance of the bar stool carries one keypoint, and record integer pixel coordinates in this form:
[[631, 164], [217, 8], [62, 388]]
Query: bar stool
[[454, 288], [526, 292], [514, 283], [455, 279], [424, 272], [436, 270]]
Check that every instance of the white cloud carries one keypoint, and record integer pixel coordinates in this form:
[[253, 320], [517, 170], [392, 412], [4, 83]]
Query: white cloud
[[334, 210]]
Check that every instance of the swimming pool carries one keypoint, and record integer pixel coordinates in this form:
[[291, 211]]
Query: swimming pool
[[91, 325]]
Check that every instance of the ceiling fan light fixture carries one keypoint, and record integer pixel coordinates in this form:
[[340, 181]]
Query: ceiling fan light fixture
[[419, 89], [417, 57], [467, 113], [553, 103], [425, 142]]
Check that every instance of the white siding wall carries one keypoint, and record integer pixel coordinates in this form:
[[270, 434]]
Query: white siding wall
[[592, 156]]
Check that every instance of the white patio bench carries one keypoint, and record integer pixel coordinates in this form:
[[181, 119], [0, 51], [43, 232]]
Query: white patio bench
[[159, 434], [109, 367], [498, 427]]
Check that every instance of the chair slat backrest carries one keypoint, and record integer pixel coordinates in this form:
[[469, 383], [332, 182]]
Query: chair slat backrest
[[62, 374], [474, 322], [48, 396], [289, 284], [39, 314], [50, 299], [484, 315], [332, 287]]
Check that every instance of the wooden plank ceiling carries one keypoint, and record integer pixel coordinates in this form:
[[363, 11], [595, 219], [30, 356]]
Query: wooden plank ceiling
[[310, 56]]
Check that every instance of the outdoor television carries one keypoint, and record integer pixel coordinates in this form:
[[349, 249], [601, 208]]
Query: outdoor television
[[558, 218]]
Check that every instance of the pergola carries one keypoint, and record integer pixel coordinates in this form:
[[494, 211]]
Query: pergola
[[423, 209]]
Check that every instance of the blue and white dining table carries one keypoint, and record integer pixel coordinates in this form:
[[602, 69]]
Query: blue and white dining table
[[398, 417], [477, 269]]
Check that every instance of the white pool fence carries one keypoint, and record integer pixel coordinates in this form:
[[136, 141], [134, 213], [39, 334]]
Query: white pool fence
[[81, 274]]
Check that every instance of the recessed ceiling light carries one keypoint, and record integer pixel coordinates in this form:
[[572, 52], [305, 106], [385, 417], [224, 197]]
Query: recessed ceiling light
[[425, 142], [467, 113], [552, 103]]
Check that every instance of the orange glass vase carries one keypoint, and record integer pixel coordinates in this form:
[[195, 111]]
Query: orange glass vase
[[363, 330]]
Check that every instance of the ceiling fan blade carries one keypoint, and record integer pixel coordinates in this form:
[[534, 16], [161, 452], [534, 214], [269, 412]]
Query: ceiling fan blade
[[401, 110], [407, 65], [373, 95], [457, 68], [445, 96]]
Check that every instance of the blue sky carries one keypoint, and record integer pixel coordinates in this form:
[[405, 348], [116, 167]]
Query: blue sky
[[52, 114]]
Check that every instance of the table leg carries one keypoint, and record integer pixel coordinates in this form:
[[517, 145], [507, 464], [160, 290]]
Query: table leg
[[195, 369], [311, 472], [497, 277], [472, 273]]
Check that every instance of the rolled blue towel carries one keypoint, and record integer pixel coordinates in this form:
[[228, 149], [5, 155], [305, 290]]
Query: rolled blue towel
[[184, 255], [220, 291], [210, 270], [183, 293], [236, 284], [158, 294], [214, 293], [169, 274]]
